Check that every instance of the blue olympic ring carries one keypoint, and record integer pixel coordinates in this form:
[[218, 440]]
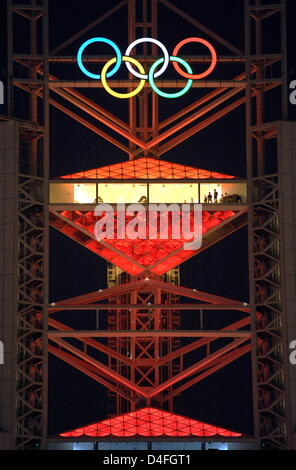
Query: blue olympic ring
[[91, 41]]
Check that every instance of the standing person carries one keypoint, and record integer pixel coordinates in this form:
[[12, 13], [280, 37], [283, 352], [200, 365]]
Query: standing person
[[215, 195], [210, 198]]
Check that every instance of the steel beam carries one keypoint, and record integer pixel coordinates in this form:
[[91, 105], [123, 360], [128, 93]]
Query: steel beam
[[149, 334], [150, 306]]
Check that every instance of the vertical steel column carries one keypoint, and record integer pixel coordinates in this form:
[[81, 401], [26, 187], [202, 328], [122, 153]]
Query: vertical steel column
[[132, 341], [33, 76], [45, 39], [9, 58], [249, 159], [269, 338], [155, 99], [143, 110], [132, 101], [259, 91], [284, 60], [30, 414]]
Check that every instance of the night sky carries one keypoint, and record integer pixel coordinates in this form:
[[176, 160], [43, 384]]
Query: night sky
[[224, 398]]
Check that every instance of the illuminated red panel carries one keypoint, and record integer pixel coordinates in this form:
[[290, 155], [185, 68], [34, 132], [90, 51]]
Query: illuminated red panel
[[135, 256], [147, 168], [149, 422]]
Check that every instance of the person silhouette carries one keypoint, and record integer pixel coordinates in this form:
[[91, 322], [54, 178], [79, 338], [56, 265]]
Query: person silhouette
[[215, 195]]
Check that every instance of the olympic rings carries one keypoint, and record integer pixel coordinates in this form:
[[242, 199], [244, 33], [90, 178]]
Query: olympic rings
[[141, 72], [91, 41], [115, 93], [170, 95], [200, 75], [154, 41]]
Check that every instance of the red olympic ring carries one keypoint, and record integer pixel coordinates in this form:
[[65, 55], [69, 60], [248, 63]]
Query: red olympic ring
[[200, 75]]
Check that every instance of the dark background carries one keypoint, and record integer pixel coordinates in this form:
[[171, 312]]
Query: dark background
[[225, 397]]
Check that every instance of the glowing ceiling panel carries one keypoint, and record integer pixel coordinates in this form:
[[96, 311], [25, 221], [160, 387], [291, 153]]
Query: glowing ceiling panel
[[147, 168], [150, 422]]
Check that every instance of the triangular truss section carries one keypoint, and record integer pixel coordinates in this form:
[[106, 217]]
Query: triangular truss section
[[129, 137], [150, 422], [142, 256], [140, 357]]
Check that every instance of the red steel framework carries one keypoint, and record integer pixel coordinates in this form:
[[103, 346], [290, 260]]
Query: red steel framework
[[144, 354]]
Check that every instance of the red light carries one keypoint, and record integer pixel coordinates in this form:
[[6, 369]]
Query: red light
[[199, 75], [135, 256], [147, 168], [150, 422]]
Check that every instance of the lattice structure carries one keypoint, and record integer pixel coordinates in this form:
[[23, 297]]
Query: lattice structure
[[31, 388], [142, 352], [169, 319], [29, 408], [271, 396], [271, 341], [144, 367], [147, 168], [141, 355], [140, 256], [150, 422]]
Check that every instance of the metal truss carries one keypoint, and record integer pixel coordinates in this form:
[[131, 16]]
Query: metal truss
[[77, 224], [143, 319], [144, 134], [270, 335], [32, 238], [31, 385], [153, 368], [269, 351], [145, 351]]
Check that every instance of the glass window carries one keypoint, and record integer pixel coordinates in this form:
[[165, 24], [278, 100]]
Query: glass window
[[210, 193], [61, 193], [234, 193], [123, 192], [173, 192], [226, 193], [69, 193], [85, 193]]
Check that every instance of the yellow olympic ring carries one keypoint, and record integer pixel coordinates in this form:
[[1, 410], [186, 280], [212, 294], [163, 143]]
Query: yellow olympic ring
[[115, 93]]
